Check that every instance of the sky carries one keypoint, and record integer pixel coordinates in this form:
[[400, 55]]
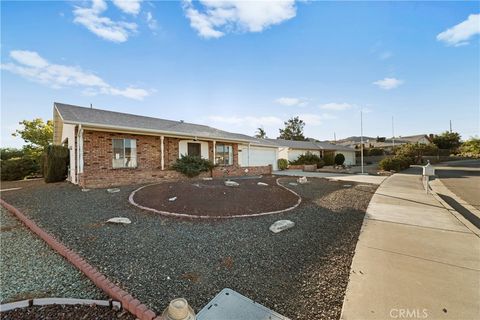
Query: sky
[[240, 65]]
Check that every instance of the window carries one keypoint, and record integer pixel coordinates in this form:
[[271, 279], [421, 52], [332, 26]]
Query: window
[[194, 149], [223, 154], [124, 153]]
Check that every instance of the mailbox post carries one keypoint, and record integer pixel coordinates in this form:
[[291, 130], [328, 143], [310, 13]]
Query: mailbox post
[[428, 171]]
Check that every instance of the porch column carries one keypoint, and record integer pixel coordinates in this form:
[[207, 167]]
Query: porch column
[[214, 151], [162, 158], [248, 158]]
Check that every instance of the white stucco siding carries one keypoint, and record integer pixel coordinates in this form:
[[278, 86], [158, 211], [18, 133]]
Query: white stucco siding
[[68, 132], [283, 153], [259, 156], [349, 157], [293, 154], [183, 148]]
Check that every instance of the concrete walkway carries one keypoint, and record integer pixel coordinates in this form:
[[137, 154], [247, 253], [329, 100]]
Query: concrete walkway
[[333, 176], [414, 259]]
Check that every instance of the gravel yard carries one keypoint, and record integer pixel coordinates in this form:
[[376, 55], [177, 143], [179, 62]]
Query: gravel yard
[[301, 273], [30, 269]]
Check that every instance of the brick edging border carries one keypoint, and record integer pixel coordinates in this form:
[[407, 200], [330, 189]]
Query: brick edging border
[[134, 306], [183, 215]]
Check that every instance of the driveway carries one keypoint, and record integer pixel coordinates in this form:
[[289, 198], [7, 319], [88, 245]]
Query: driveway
[[333, 176], [462, 178]]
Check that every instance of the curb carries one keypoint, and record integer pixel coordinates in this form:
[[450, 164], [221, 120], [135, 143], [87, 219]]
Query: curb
[[183, 215], [128, 302]]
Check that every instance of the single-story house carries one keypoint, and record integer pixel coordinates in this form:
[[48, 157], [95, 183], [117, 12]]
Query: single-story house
[[292, 149], [111, 148]]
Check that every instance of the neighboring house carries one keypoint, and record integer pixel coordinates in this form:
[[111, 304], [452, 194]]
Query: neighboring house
[[369, 142], [292, 149], [111, 148]]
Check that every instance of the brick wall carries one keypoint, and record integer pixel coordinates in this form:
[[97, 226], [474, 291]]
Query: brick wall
[[99, 173]]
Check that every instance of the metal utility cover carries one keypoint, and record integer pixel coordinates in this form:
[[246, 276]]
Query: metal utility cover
[[231, 305]]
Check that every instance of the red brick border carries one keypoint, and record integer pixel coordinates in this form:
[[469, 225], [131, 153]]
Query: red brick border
[[129, 303]]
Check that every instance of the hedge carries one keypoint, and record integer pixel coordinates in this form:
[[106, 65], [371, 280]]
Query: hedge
[[397, 163], [18, 168], [308, 158], [56, 159], [329, 158]]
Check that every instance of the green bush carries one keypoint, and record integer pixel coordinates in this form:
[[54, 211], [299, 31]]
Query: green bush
[[191, 166], [17, 168], [308, 158], [9, 153], [329, 158], [282, 164], [339, 159], [55, 163], [397, 163], [375, 152]]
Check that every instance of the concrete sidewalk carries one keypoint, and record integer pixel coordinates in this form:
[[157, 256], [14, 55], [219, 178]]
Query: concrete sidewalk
[[414, 259], [333, 176]]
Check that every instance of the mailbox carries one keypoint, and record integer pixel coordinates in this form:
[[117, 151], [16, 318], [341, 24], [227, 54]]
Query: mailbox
[[428, 170]]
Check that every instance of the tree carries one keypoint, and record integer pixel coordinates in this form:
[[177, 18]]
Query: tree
[[36, 133], [415, 152], [293, 130], [261, 134], [447, 140], [471, 147]]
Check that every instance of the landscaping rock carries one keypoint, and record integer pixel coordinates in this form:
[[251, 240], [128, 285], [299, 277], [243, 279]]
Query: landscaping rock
[[347, 185], [302, 180], [119, 220], [113, 190], [293, 184], [172, 199], [85, 190], [229, 183], [262, 184], [207, 178], [281, 225]]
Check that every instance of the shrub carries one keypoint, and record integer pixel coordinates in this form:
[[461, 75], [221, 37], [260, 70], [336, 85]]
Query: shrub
[[282, 164], [18, 168], [375, 152], [339, 159], [415, 152], [308, 158], [397, 163], [471, 148], [329, 158], [55, 163], [9, 153], [192, 166]]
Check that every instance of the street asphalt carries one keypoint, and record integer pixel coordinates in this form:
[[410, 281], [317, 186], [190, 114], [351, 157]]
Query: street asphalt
[[462, 178]]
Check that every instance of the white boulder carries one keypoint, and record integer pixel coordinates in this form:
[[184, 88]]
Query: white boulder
[[172, 199], [119, 220], [302, 180], [262, 184], [229, 183], [113, 190], [281, 225]]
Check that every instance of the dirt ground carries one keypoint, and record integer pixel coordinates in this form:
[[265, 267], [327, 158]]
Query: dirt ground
[[213, 198]]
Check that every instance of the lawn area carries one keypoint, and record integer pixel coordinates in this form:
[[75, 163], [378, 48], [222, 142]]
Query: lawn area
[[301, 273]]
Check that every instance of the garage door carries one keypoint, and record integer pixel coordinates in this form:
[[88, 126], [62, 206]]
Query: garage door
[[258, 157]]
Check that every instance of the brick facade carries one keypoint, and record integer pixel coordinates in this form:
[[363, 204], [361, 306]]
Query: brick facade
[[98, 171]]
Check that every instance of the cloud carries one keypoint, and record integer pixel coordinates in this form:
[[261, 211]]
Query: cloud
[[336, 106], [30, 65], [286, 101], [151, 22], [459, 34], [220, 17], [104, 27], [250, 121], [388, 83], [128, 6]]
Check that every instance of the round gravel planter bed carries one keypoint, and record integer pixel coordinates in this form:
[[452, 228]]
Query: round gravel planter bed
[[214, 199]]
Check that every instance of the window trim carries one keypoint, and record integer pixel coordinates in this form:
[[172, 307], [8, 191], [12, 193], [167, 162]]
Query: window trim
[[113, 155]]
